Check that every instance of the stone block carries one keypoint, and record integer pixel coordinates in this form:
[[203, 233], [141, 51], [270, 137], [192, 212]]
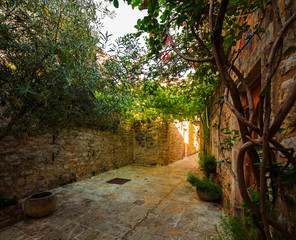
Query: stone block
[[287, 64], [289, 42], [289, 143], [8, 143], [20, 181], [13, 160], [30, 181], [28, 172], [285, 87], [41, 159], [287, 3], [6, 151]]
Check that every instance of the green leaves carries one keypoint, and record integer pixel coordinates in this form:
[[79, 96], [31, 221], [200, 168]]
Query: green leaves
[[265, 90], [229, 137], [115, 3], [289, 177], [49, 70], [281, 130]]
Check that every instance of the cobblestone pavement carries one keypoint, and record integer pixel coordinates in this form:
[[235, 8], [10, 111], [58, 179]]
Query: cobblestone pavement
[[156, 204]]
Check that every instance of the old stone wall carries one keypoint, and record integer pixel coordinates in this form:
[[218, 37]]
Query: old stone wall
[[151, 142], [175, 144], [193, 138], [158, 142], [227, 122], [251, 62], [36, 164]]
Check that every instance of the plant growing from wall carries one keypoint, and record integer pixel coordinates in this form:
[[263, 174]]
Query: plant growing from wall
[[229, 137], [203, 33]]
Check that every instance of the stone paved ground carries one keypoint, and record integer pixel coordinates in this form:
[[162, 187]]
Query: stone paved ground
[[156, 204]]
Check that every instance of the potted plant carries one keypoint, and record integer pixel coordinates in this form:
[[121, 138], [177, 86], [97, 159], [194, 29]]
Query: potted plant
[[208, 163], [40, 204], [206, 190]]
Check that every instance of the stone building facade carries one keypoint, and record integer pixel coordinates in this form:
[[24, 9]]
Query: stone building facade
[[35, 164], [251, 61]]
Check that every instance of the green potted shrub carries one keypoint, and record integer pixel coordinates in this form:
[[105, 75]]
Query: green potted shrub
[[208, 163], [205, 189]]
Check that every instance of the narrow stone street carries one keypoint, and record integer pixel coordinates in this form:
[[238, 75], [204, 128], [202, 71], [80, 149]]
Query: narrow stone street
[[157, 203]]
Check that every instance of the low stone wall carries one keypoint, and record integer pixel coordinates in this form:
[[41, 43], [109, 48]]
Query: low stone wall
[[36, 164]]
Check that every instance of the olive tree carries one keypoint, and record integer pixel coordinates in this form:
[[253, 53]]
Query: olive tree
[[50, 76]]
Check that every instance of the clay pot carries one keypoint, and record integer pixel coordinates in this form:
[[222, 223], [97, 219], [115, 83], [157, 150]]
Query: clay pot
[[40, 204], [204, 196]]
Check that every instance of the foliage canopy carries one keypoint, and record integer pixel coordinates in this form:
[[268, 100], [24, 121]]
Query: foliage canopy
[[50, 78]]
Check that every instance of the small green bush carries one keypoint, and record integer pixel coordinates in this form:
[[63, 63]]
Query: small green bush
[[232, 228], [6, 202], [210, 188], [208, 163]]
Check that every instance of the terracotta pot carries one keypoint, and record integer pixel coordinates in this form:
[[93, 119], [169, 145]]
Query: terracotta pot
[[40, 204], [204, 196]]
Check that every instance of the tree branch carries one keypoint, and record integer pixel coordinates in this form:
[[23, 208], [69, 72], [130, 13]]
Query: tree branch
[[284, 110], [244, 193], [239, 116], [248, 93], [265, 150], [241, 177], [199, 39], [209, 59], [219, 20], [284, 151], [211, 20], [286, 206], [277, 14]]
